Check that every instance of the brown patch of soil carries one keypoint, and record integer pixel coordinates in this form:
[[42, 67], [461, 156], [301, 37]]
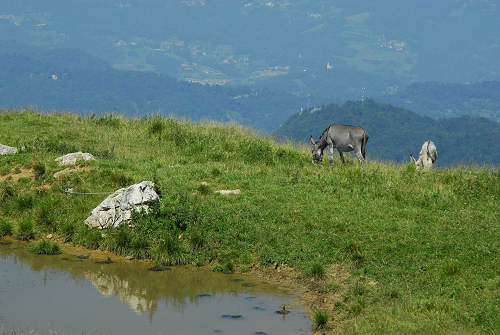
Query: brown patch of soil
[[25, 172], [313, 293]]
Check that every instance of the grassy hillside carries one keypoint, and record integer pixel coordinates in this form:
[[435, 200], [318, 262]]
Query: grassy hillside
[[395, 132], [418, 251]]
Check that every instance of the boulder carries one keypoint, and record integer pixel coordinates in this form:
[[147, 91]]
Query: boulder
[[72, 158], [118, 207], [6, 150]]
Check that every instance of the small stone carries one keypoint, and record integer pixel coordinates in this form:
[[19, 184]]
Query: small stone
[[224, 192], [82, 256], [6, 150], [129, 257], [49, 236], [204, 183], [72, 158], [232, 316]]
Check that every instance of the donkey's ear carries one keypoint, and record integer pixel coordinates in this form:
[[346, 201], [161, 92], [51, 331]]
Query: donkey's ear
[[312, 140]]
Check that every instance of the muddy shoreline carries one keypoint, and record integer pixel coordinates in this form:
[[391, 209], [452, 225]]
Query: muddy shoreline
[[311, 294]]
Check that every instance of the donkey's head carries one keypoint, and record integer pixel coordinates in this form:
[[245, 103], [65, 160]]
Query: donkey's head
[[317, 153]]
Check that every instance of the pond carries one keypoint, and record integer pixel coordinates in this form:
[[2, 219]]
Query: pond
[[64, 294]]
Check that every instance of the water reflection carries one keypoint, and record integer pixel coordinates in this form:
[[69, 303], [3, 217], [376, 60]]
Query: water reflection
[[216, 301]]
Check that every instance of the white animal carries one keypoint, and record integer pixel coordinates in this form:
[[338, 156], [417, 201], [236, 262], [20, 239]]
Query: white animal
[[428, 155]]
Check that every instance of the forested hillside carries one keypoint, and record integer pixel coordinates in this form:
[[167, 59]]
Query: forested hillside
[[73, 80], [440, 100], [394, 132]]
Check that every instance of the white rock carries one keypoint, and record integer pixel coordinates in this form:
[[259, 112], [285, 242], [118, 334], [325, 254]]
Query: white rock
[[118, 207], [6, 150], [72, 158], [63, 172], [237, 191]]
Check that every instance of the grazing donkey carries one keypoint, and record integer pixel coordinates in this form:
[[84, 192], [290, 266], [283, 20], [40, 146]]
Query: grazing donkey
[[428, 155], [343, 138]]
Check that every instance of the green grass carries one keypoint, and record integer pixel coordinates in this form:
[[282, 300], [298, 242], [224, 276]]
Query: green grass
[[320, 319], [25, 229], [45, 248], [420, 249], [5, 228]]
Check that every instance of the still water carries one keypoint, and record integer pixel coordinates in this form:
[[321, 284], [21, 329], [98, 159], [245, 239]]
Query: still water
[[66, 295]]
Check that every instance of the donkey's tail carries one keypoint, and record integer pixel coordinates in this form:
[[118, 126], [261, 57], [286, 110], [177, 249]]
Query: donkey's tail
[[363, 144]]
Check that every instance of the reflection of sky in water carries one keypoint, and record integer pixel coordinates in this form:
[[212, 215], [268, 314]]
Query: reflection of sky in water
[[50, 293]]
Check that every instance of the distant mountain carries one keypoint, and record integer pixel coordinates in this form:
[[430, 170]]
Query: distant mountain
[[337, 49], [395, 132], [440, 100], [69, 79]]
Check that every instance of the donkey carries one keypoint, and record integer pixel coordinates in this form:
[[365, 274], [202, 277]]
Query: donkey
[[344, 138], [428, 155]]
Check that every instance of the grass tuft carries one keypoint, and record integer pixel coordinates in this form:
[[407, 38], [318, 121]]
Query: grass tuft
[[39, 170], [45, 248], [321, 319], [318, 270], [25, 230], [5, 228]]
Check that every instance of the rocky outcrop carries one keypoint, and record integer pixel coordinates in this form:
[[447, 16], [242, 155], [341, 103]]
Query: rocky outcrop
[[118, 207], [72, 158], [6, 150]]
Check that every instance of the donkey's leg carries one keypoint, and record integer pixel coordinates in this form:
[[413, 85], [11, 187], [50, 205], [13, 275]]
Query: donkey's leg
[[360, 157], [330, 153], [359, 154], [341, 156]]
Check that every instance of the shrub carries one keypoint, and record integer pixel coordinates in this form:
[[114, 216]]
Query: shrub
[[229, 267], [39, 170], [25, 230], [157, 126], [321, 319], [45, 248], [318, 271], [5, 228]]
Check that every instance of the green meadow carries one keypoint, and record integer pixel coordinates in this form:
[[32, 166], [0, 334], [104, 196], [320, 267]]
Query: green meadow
[[420, 250]]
